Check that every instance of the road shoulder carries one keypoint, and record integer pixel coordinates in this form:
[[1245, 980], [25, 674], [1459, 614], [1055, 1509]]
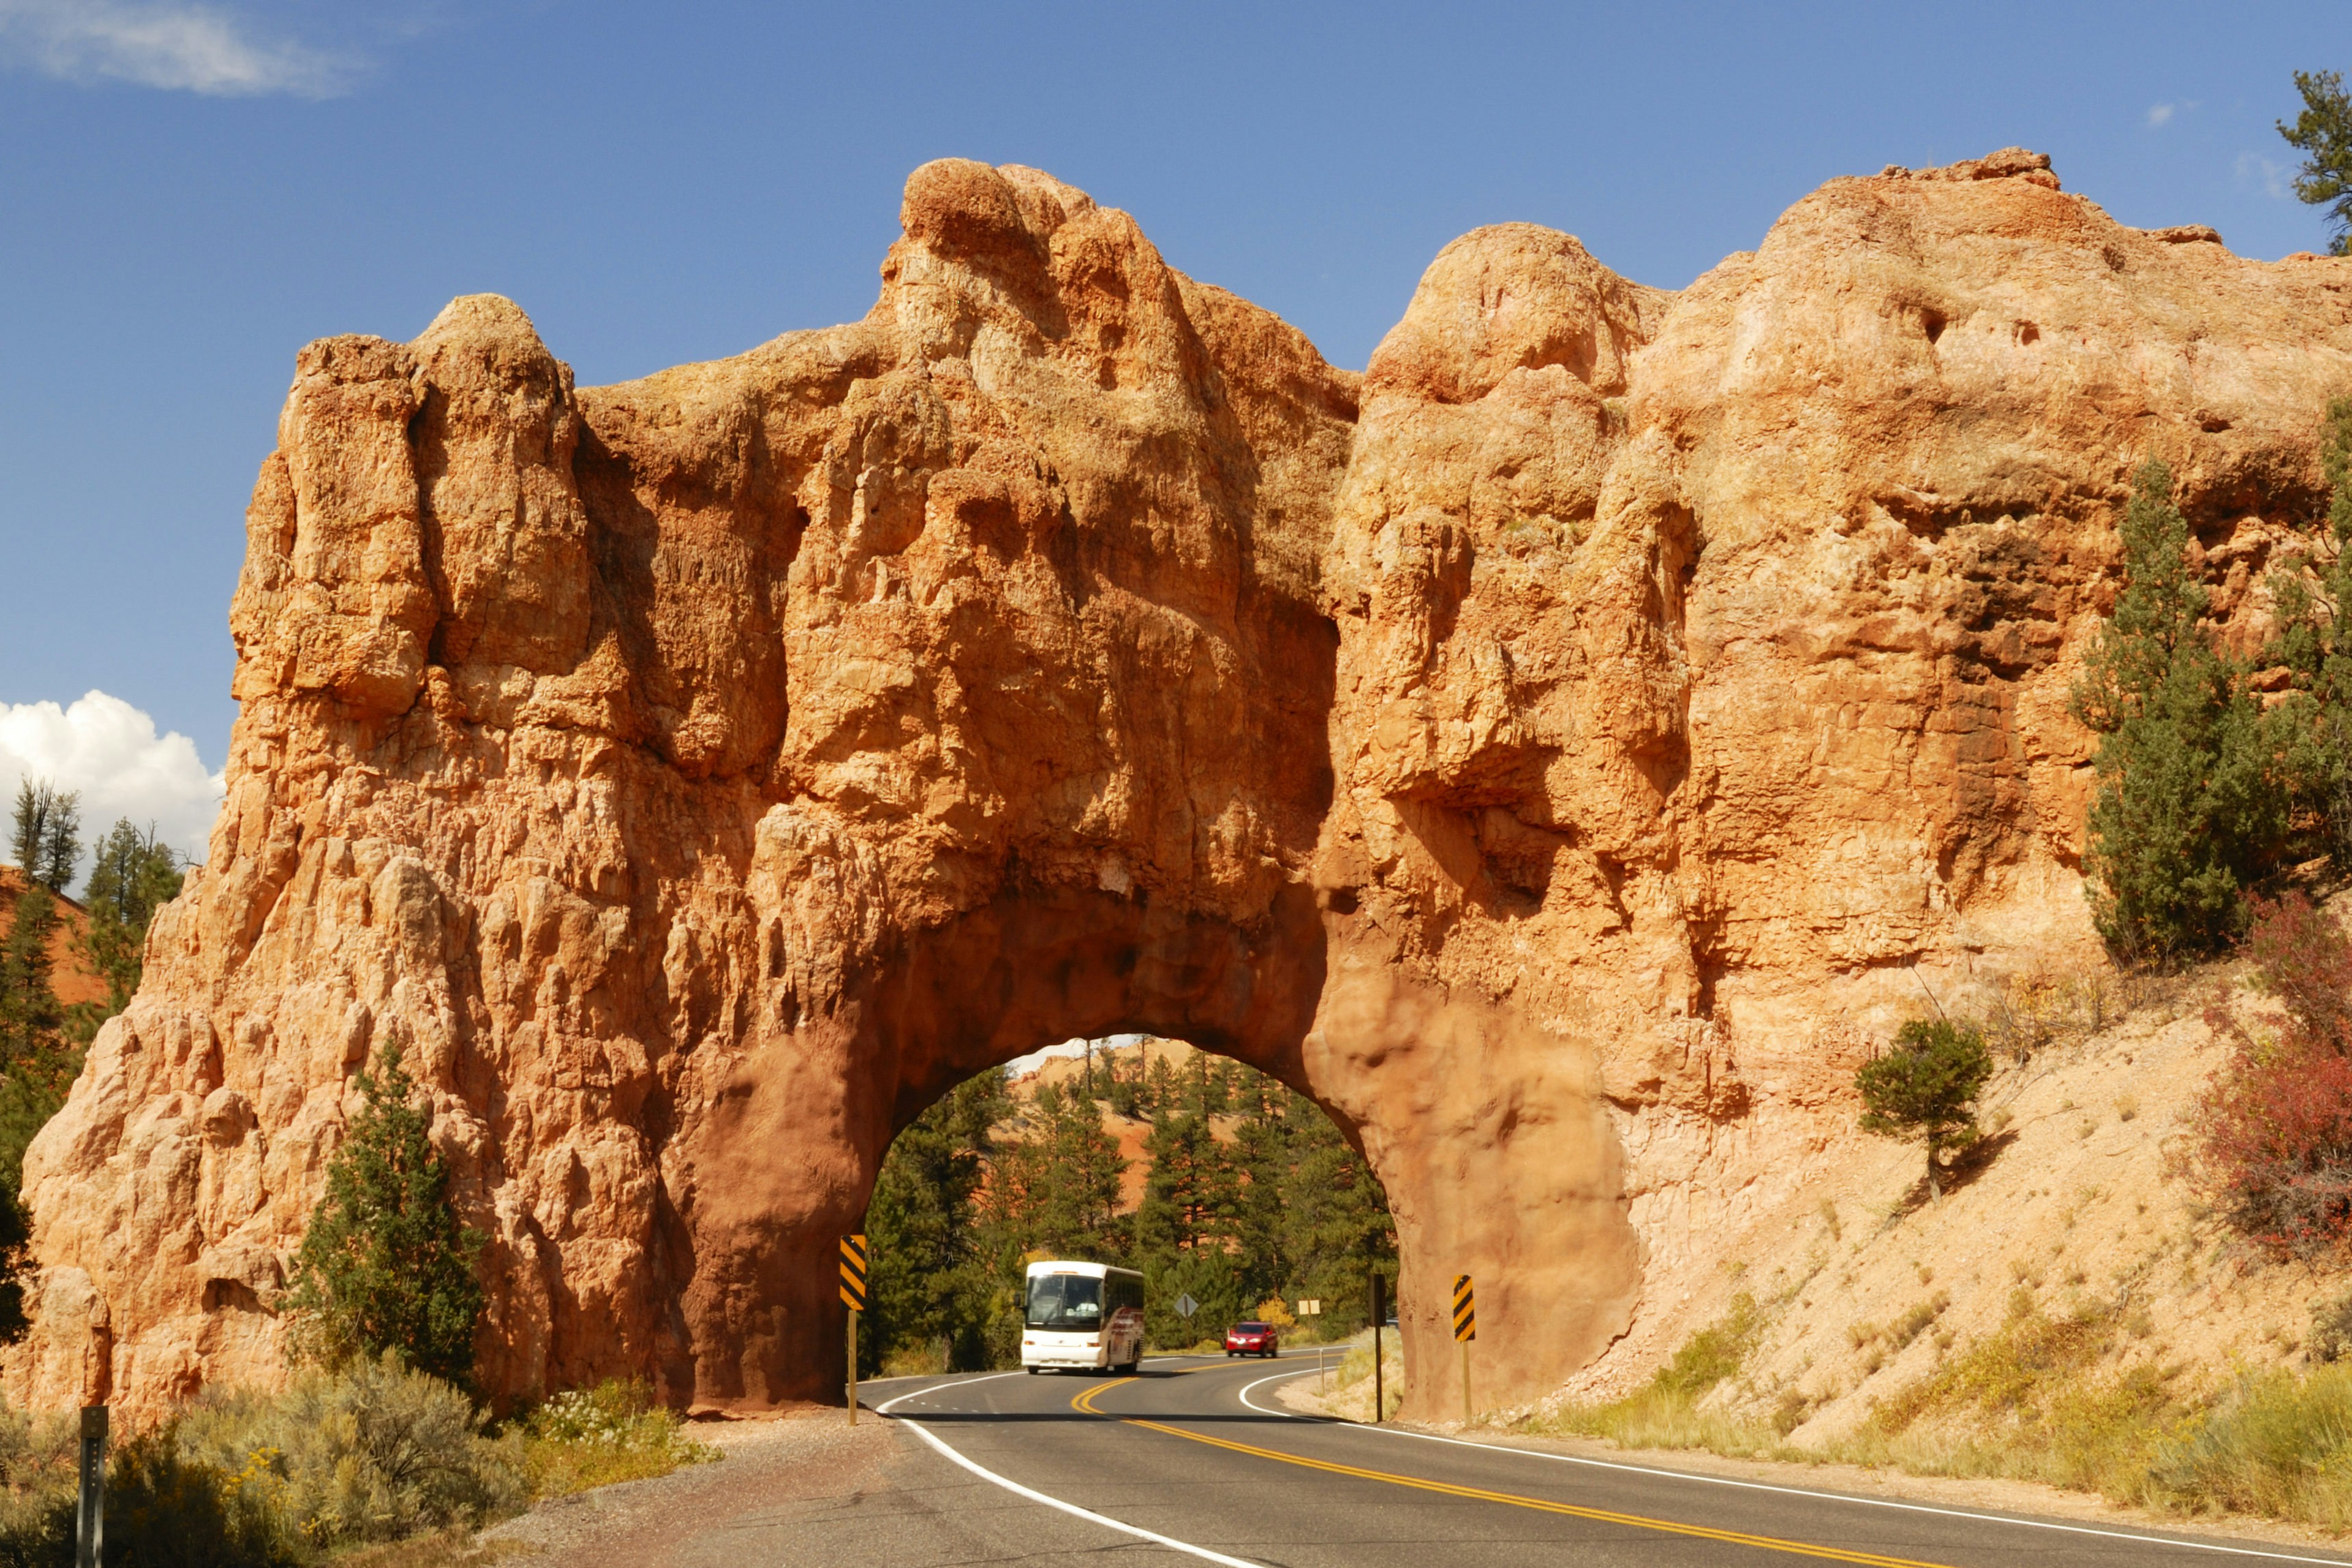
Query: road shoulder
[[1988, 1494], [771, 1466]]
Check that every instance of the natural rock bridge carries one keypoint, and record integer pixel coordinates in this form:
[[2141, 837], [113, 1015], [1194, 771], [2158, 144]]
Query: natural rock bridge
[[1546, 750]]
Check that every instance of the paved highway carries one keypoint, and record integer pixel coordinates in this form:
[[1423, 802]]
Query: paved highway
[[1196, 1460]]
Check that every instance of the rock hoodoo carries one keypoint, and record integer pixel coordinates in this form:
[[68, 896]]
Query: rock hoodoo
[[1554, 749]]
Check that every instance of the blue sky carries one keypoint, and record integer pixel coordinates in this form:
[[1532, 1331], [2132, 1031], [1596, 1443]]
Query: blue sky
[[189, 192]]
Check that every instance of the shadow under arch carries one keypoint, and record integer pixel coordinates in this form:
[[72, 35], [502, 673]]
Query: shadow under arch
[[1067, 1160], [1487, 1134]]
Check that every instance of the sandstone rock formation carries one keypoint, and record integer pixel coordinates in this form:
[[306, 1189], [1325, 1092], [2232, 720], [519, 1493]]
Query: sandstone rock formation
[[1556, 750]]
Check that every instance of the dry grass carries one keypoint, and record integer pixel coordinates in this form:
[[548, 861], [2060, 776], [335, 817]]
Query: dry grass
[[1672, 1411], [2044, 1398], [1353, 1372]]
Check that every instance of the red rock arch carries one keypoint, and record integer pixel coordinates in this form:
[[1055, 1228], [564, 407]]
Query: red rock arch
[[1557, 749], [695, 777]]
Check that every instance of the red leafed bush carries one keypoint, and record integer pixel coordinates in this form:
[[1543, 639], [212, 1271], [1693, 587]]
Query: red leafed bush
[[2277, 1135]]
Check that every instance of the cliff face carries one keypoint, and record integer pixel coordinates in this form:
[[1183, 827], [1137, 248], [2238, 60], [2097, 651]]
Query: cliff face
[[1550, 751]]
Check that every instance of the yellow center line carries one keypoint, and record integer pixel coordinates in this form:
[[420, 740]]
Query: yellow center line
[[1599, 1515], [1084, 1398]]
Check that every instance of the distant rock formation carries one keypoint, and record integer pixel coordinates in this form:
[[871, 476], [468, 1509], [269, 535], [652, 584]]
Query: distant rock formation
[[1558, 750]]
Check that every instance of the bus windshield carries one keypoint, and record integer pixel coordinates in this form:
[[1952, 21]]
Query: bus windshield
[[1064, 1301]]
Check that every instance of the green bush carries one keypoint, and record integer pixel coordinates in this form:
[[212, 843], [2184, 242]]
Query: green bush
[[38, 1456], [385, 1265], [165, 1510], [354, 1460], [374, 1451], [163, 1507]]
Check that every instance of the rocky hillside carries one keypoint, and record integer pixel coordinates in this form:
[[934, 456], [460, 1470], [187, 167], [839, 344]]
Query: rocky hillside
[[1563, 752], [2077, 1203], [1067, 1075]]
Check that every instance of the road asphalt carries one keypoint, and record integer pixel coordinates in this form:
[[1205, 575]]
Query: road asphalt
[[1194, 1460]]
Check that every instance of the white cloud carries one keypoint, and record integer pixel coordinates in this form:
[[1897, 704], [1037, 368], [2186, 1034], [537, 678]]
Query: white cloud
[[160, 43], [110, 751], [2158, 113], [2271, 175]]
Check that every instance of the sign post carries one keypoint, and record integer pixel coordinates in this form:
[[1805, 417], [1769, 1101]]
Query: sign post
[[1379, 1320], [1314, 1309], [853, 1296], [90, 1518], [1466, 1329]]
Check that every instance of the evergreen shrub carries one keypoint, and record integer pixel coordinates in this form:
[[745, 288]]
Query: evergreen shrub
[[1924, 1089], [386, 1266], [2192, 802]]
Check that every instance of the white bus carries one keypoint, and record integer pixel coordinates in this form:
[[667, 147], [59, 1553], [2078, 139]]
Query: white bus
[[1082, 1315]]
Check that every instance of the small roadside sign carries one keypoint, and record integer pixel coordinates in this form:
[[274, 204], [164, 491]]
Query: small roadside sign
[[1186, 1306], [853, 1296], [1466, 1329], [853, 1273], [1313, 1309]]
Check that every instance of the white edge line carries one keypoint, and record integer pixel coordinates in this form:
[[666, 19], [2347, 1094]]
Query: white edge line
[[1153, 1536], [949, 1380], [1792, 1491]]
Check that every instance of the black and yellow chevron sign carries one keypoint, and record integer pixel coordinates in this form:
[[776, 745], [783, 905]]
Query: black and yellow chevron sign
[[1465, 1310], [853, 1273]]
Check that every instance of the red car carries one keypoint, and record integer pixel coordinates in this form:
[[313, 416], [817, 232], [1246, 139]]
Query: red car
[[1250, 1339]]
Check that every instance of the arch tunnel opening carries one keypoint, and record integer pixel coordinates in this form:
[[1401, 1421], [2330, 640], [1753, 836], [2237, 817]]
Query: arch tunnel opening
[[1216, 1180]]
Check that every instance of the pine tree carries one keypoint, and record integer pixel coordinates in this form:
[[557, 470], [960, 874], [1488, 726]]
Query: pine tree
[[30, 829], [1158, 1087], [1119, 1084], [37, 1066], [2323, 134], [134, 875], [1925, 1088], [1262, 1219], [2311, 592], [385, 1265], [2190, 805], [929, 1279], [1341, 1231], [1184, 1224], [31, 1019], [46, 840]]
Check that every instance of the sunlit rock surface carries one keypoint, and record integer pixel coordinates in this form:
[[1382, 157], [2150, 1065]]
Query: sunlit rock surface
[[1560, 750]]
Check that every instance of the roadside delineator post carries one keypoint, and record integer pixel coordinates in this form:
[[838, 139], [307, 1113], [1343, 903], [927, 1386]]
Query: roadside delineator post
[[90, 1517], [853, 1296], [1379, 1320], [1466, 1329]]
